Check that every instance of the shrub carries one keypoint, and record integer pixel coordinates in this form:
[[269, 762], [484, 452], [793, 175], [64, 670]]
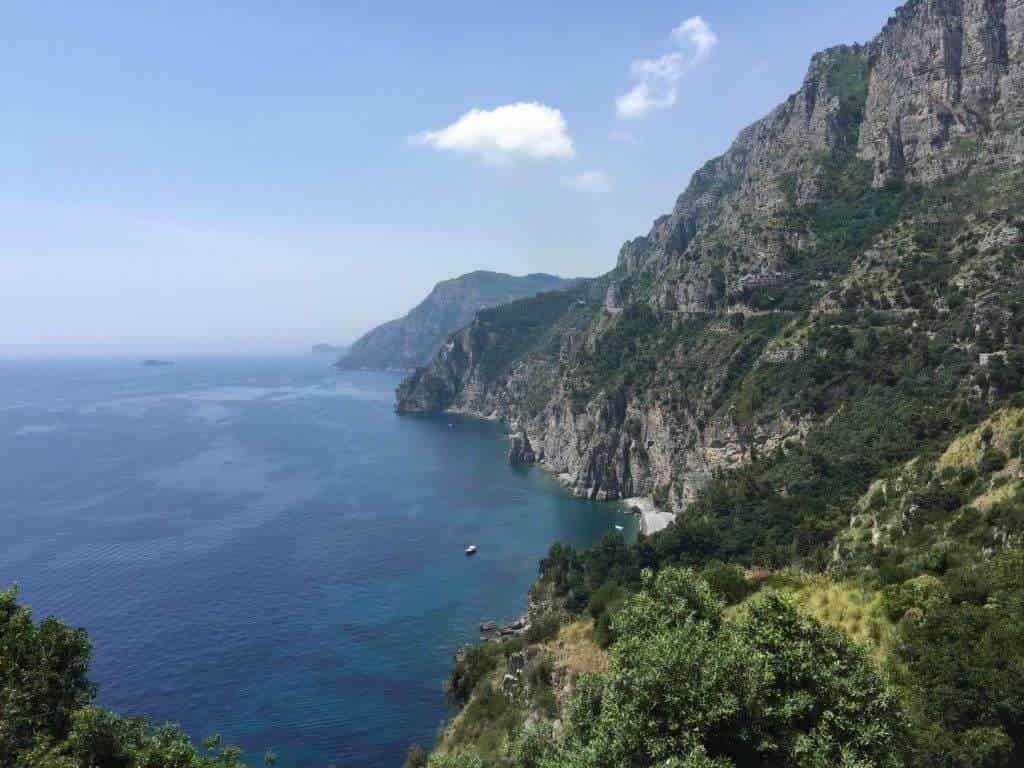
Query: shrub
[[922, 592], [992, 460], [729, 581], [543, 628], [472, 666], [773, 688]]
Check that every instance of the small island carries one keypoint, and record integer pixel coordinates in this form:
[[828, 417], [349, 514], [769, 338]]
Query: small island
[[329, 350], [152, 363]]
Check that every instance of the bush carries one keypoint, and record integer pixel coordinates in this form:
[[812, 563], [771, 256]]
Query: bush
[[472, 666], [457, 761], [992, 460], [543, 628], [602, 607], [729, 581], [965, 669], [923, 592], [47, 719], [772, 689]]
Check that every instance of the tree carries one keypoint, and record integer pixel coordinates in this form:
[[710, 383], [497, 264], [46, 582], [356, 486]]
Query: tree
[[47, 719], [42, 677]]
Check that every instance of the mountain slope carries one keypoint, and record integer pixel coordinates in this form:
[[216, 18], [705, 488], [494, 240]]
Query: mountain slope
[[872, 223], [816, 361], [411, 340]]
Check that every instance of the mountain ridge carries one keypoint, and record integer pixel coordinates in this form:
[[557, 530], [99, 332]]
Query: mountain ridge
[[409, 341]]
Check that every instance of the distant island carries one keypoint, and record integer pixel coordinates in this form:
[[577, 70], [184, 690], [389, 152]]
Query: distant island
[[411, 341], [156, 363], [331, 350]]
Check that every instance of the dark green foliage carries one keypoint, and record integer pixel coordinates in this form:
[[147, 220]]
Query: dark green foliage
[[629, 352], [847, 80], [513, 329], [603, 604], [729, 581], [964, 664], [770, 690], [923, 594], [47, 719], [992, 461], [543, 628], [847, 216], [43, 677], [474, 664]]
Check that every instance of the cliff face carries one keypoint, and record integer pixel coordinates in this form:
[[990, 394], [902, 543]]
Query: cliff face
[[688, 356], [946, 90], [410, 341]]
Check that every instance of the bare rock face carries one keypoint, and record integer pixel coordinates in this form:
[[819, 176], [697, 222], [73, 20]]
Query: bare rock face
[[520, 451], [946, 91], [772, 164]]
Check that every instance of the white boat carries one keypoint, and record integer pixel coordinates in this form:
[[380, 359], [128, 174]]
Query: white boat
[[471, 549], [619, 528]]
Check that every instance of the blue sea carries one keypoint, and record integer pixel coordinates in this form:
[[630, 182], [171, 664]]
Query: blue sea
[[262, 548]]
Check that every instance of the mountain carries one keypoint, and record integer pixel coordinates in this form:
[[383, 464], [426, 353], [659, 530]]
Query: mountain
[[410, 341], [865, 233], [815, 361]]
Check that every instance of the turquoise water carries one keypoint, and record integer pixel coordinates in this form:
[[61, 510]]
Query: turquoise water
[[262, 548]]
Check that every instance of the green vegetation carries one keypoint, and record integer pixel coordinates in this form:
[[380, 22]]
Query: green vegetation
[[890, 530], [920, 597], [472, 666], [847, 80], [689, 685], [48, 720]]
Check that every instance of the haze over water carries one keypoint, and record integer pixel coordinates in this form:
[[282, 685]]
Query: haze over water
[[262, 548]]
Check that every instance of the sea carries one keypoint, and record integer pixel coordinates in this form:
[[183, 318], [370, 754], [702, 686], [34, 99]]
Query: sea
[[263, 549]]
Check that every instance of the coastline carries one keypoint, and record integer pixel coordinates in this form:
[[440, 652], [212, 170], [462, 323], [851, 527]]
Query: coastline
[[652, 519]]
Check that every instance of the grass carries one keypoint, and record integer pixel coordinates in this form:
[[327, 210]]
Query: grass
[[1006, 431], [999, 495], [858, 612], [576, 649], [484, 725]]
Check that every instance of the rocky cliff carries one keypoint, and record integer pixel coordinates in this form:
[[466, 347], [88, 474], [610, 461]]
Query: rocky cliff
[[410, 341], [879, 201]]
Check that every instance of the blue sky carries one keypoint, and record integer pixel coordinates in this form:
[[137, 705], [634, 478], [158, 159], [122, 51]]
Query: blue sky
[[261, 176]]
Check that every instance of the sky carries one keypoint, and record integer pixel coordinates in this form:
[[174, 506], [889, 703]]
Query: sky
[[207, 177]]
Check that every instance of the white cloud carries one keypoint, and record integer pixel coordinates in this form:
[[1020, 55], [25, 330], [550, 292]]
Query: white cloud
[[697, 33], [657, 85], [587, 181], [523, 129]]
